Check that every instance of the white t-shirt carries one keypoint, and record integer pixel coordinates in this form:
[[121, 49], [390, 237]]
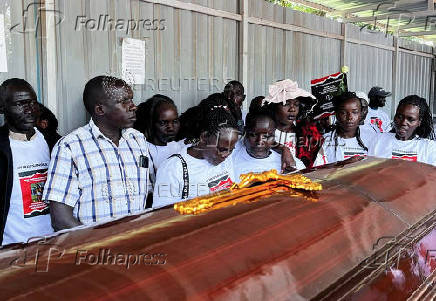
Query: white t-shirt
[[368, 135], [203, 178], [370, 128], [160, 153], [28, 215], [290, 140], [379, 120], [347, 148], [416, 150], [244, 163]]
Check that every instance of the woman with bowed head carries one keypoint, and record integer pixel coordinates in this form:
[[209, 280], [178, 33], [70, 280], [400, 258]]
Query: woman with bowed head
[[256, 155], [201, 168]]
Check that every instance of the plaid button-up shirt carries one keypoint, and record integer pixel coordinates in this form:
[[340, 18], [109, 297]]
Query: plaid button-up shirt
[[100, 180]]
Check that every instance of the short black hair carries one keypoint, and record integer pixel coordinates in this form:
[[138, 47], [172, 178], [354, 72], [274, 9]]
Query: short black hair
[[250, 120], [96, 90], [12, 82], [231, 87]]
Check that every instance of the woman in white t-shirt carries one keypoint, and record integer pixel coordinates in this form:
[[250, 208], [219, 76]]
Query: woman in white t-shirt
[[255, 155], [413, 136], [202, 168], [158, 120], [346, 140]]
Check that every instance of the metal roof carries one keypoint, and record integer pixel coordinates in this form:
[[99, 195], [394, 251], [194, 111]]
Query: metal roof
[[404, 18]]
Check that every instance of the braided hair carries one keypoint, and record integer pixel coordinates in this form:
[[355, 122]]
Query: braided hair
[[337, 102], [193, 120], [146, 114], [425, 130], [216, 119]]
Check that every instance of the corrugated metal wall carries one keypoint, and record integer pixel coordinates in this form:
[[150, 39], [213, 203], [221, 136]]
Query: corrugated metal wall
[[276, 54], [414, 75], [23, 42], [369, 66], [196, 54]]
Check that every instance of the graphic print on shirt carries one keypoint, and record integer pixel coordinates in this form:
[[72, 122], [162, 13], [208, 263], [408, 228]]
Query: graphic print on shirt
[[290, 144], [219, 182], [350, 152], [287, 139], [405, 155], [32, 186], [377, 122]]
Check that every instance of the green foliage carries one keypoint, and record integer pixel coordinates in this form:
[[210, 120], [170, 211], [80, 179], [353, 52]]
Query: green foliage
[[367, 26], [299, 7]]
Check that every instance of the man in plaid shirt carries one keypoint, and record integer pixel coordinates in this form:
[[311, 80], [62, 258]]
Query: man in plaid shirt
[[100, 171]]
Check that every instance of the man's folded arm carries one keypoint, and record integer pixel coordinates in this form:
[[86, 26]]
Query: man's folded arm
[[62, 216]]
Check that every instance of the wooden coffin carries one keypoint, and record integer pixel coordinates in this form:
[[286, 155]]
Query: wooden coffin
[[344, 245]]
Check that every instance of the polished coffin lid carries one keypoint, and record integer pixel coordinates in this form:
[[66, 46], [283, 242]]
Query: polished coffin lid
[[281, 247]]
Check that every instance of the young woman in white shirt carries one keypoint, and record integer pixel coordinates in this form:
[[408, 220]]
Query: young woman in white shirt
[[256, 155], [202, 168], [346, 141], [158, 120], [413, 136]]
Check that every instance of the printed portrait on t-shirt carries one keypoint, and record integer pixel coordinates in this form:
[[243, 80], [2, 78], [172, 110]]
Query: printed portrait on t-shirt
[[32, 186]]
